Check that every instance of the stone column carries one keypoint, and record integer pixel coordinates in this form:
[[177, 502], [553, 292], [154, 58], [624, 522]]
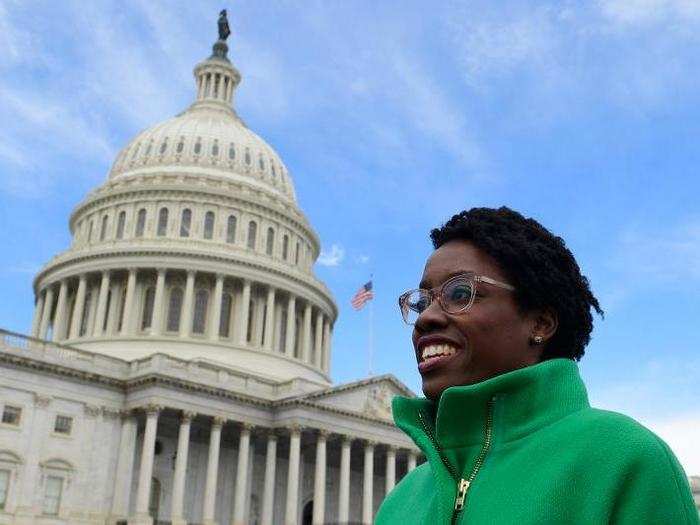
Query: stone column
[[291, 326], [78, 308], [101, 304], [216, 308], [46, 314], [411, 461], [318, 340], [183, 443], [292, 503], [306, 347], [326, 346], [125, 467], [344, 489], [158, 307], [269, 320], [187, 306], [38, 312], [320, 479], [143, 493], [59, 323], [212, 472], [244, 313], [390, 469], [241, 476], [268, 501], [129, 303], [367, 487]]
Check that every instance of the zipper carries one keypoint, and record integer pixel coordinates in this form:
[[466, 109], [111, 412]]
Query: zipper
[[463, 484]]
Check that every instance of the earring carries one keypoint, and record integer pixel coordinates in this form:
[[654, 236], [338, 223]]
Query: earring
[[537, 340]]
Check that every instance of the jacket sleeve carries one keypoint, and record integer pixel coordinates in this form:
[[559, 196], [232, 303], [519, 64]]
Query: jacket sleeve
[[655, 489]]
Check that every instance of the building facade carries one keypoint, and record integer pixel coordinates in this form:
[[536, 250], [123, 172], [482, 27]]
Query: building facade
[[177, 369]]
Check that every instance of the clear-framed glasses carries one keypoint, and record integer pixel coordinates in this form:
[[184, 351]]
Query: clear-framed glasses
[[456, 295]]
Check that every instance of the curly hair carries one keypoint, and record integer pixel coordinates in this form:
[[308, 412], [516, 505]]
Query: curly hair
[[539, 265]]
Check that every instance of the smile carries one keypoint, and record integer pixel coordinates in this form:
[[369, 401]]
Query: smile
[[433, 356]]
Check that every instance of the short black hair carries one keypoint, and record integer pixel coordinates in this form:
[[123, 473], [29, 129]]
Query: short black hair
[[539, 265]]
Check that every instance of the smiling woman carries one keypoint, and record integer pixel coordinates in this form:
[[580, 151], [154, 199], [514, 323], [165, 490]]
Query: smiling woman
[[501, 316]]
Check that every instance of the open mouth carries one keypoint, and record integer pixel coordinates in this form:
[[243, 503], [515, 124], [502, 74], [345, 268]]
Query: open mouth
[[433, 356]]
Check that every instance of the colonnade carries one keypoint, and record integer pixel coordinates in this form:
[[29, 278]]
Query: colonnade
[[292, 504], [185, 304]]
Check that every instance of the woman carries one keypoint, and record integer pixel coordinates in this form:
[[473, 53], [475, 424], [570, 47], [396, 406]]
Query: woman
[[500, 318]]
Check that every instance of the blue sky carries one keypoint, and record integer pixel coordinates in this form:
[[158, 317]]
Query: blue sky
[[391, 118]]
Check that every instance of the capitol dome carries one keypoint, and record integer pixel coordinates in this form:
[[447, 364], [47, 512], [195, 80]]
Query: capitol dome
[[194, 247]]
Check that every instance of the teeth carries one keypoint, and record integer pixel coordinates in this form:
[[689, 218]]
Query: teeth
[[435, 350]]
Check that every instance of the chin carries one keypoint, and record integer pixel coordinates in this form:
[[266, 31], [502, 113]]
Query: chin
[[433, 392]]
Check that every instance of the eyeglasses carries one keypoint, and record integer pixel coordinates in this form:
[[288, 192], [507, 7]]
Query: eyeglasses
[[455, 296]]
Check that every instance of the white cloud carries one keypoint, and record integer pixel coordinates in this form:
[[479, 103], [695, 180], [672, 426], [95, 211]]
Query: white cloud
[[363, 259], [333, 257]]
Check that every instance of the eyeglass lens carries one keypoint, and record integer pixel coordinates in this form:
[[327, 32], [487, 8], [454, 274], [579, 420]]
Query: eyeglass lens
[[456, 297]]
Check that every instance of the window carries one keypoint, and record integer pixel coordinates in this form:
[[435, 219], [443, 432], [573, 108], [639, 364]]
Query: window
[[261, 163], [120, 224], [103, 228], [140, 222], [52, 495], [198, 147], [180, 145], [209, 225], [215, 149], [285, 247], [11, 415], [283, 331], [162, 222], [89, 234], [174, 309], [63, 425], [185, 222], [147, 315], [163, 146], [231, 229], [296, 255], [247, 157], [274, 171], [270, 242], [199, 320], [4, 487], [149, 148], [252, 232], [224, 322], [85, 315], [251, 320], [231, 151]]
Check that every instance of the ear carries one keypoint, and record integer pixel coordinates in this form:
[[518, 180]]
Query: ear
[[545, 323]]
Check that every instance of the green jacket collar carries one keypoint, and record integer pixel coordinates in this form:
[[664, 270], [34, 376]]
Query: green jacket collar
[[526, 400]]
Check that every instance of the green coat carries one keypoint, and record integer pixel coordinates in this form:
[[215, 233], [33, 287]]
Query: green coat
[[527, 449]]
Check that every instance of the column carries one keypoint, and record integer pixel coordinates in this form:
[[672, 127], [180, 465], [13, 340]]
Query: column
[[102, 304], [129, 303], [125, 467], [344, 488], [27, 483], [390, 469], [187, 306], [326, 346], [244, 313], [38, 311], [320, 479], [116, 297], [269, 320], [78, 308], [268, 501], [46, 314], [292, 504], [143, 493], [306, 348], [183, 443], [367, 485], [158, 307], [241, 476], [212, 472], [216, 308], [59, 323], [318, 339], [291, 326], [411, 461]]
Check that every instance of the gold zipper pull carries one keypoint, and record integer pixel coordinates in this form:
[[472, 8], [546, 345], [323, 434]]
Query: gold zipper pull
[[462, 487]]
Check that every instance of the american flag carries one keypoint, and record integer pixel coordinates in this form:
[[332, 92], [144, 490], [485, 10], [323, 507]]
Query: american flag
[[363, 295]]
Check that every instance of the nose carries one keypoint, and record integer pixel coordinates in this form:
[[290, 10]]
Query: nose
[[431, 318]]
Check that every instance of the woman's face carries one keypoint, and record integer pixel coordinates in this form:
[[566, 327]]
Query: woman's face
[[491, 338]]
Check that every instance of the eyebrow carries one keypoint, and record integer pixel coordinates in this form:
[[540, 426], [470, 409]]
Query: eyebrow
[[424, 284]]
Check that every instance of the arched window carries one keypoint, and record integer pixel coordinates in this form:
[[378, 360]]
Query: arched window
[[162, 222], [209, 225], [185, 222], [121, 221], [285, 247], [283, 332], [270, 242], [180, 145], [215, 149], [251, 320], [231, 151], [252, 232], [174, 309], [225, 321], [141, 222], [163, 146], [103, 228], [231, 229], [147, 315], [261, 163], [198, 147], [199, 321], [85, 315], [296, 255]]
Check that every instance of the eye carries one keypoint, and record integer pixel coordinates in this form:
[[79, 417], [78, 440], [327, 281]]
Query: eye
[[420, 305], [459, 293]]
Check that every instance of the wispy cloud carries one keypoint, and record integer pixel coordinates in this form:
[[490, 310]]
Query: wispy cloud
[[333, 257]]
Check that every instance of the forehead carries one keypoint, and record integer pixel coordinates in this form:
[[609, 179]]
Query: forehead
[[457, 257]]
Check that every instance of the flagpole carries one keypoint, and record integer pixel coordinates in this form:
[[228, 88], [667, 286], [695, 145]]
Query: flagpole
[[371, 328]]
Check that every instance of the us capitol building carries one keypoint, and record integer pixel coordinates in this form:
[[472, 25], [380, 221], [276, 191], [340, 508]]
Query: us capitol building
[[177, 369]]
